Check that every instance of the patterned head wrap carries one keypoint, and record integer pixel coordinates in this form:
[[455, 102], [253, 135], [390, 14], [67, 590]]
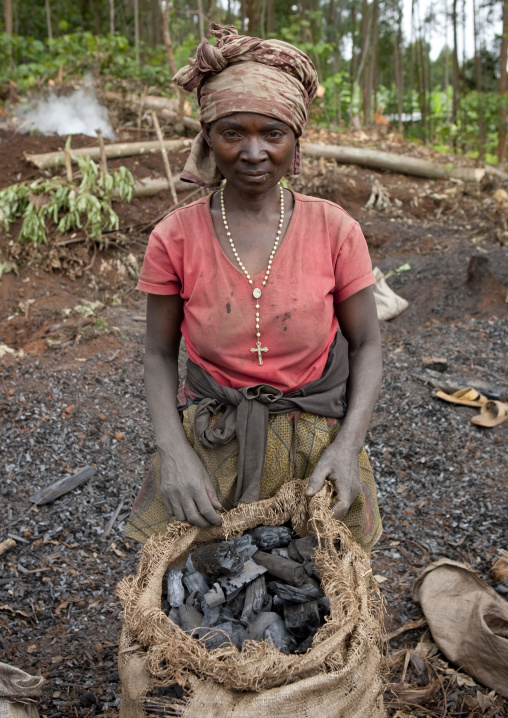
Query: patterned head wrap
[[245, 74]]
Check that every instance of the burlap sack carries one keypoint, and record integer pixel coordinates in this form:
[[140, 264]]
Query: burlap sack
[[468, 621], [19, 692], [338, 676], [388, 304]]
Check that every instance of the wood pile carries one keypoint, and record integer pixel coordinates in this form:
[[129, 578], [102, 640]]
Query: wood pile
[[261, 585]]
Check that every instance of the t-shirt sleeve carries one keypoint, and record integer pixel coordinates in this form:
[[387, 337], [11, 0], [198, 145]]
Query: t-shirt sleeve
[[353, 267], [158, 273]]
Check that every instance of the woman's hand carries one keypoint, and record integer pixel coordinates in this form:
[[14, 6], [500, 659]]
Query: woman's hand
[[187, 490], [338, 463]]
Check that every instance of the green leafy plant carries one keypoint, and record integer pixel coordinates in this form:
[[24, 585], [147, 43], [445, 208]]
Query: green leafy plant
[[68, 207]]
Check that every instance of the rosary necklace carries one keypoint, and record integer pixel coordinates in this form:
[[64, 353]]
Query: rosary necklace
[[256, 292]]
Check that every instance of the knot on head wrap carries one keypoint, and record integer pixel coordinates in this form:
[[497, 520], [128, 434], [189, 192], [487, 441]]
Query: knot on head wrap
[[245, 74]]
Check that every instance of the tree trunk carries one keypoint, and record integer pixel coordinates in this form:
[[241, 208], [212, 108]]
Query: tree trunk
[[48, 20], [367, 79], [455, 78], [253, 16], [423, 86], [374, 65], [136, 29], [482, 137], [363, 58], [8, 22], [270, 17], [447, 64], [397, 43], [201, 19], [111, 17], [172, 62], [8, 16], [156, 25], [352, 65], [393, 162], [503, 86]]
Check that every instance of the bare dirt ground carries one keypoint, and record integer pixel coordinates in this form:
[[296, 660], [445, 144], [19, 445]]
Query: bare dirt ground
[[71, 395]]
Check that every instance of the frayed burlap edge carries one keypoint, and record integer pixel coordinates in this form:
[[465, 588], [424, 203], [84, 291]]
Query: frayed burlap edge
[[347, 645]]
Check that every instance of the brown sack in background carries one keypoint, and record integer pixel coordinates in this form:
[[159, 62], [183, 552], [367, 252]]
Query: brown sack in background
[[468, 621], [339, 675], [19, 692]]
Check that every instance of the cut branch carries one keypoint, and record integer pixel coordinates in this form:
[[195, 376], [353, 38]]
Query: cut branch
[[123, 149], [394, 163]]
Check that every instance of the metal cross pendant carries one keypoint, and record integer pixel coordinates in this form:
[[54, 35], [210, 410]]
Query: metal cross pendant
[[258, 348]]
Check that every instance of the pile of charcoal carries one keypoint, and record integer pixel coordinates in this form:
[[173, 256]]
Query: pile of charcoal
[[260, 585]]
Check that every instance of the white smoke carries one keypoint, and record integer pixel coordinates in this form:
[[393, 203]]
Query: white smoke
[[78, 113]]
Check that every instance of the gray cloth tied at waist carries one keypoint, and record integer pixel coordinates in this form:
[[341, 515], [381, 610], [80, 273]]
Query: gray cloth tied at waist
[[246, 412]]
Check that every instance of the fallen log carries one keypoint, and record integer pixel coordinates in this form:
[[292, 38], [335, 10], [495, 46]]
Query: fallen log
[[375, 159], [117, 149], [164, 106], [153, 185]]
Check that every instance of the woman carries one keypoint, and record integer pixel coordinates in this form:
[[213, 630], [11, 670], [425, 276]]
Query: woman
[[259, 280]]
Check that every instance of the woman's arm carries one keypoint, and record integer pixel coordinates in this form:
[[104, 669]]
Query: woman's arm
[[359, 324], [186, 487]]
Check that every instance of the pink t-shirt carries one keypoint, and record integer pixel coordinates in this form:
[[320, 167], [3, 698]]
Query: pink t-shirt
[[322, 259]]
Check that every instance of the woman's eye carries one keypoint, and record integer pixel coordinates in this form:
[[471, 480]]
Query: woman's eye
[[275, 134], [230, 134]]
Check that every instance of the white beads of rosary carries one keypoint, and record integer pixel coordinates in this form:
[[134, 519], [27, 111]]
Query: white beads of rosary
[[257, 292]]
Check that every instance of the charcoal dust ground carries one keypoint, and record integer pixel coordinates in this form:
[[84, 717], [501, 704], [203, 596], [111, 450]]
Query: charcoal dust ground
[[71, 395]]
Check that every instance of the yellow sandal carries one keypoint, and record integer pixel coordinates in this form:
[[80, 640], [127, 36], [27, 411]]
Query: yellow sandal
[[492, 413], [464, 397]]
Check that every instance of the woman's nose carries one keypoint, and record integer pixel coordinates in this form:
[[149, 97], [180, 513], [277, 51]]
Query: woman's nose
[[254, 150]]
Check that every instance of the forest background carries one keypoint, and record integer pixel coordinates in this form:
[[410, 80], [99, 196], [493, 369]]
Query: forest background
[[370, 67]]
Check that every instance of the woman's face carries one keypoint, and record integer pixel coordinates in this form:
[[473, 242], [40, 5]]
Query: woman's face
[[252, 151]]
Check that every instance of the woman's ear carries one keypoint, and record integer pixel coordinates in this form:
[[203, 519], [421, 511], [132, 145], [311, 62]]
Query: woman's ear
[[205, 129]]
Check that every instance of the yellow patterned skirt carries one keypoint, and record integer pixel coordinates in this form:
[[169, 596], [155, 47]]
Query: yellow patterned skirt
[[295, 443]]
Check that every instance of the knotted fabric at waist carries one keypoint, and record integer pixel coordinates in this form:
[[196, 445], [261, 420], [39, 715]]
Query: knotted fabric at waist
[[246, 412]]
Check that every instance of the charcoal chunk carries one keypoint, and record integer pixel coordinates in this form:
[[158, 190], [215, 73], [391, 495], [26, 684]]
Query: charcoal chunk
[[244, 546], [256, 629], [220, 559], [255, 598], [211, 616], [176, 591], [277, 634], [304, 548], [224, 634], [174, 615], [292, 594], [237, 603], [195, 583], [268, 537], [302, 619], [215, 597], [190, 617], [232, 585], [282, 552], [289, 571]]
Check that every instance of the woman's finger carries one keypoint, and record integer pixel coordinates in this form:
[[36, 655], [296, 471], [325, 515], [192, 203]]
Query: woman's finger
[[206, 509], [194, 515], [211, 493], [346, 494], [317, 479], [179, 512]]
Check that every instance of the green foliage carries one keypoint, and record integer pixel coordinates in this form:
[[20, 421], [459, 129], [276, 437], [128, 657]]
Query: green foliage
[[34, 62], [67, 207]]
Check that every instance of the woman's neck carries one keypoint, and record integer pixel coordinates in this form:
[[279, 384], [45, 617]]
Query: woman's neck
[[252, 203]]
